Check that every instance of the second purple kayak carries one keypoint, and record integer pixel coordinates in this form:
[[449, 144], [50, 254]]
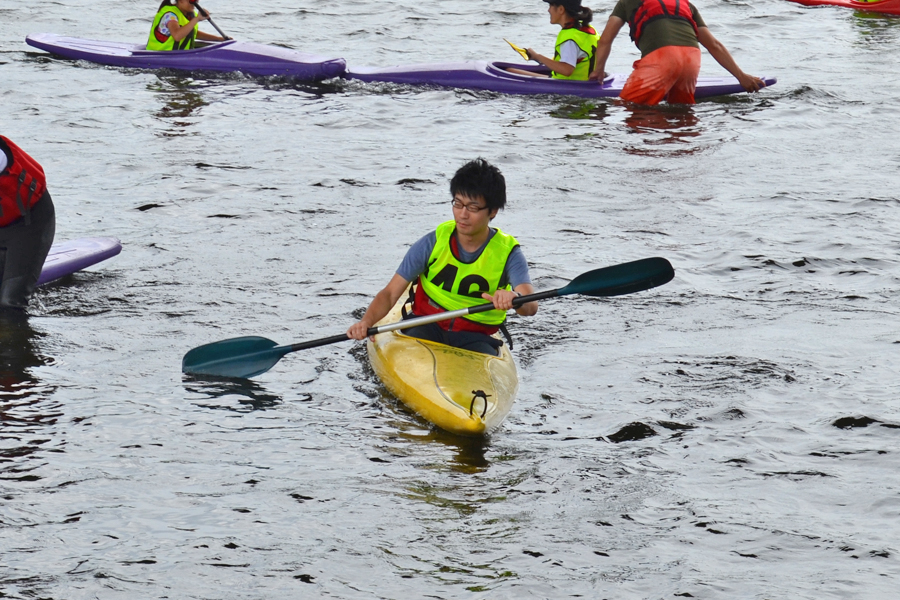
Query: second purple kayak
[[494, 76]]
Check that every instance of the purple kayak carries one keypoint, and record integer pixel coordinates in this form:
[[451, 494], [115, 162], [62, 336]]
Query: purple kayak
[[493, 76], [228, 56], [74, 255]]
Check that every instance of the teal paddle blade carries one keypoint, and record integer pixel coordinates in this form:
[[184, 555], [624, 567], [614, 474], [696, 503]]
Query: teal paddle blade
[[237, 357], [626, 278]]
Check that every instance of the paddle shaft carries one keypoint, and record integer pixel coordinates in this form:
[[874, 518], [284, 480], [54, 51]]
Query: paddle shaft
[[211, 22]]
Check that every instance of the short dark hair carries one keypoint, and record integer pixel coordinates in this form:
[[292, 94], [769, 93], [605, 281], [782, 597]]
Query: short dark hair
[[480, 178]]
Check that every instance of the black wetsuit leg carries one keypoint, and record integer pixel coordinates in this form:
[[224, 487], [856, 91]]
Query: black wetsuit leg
[[23, 249]]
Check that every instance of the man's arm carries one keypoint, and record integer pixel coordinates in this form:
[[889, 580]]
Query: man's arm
[[517, 271], [724, 58], [604, 46], [381, 305], [529, 309]]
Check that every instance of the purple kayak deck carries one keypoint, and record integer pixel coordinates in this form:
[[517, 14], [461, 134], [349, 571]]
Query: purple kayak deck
[[493, 76], [228, 56], [67, 257]]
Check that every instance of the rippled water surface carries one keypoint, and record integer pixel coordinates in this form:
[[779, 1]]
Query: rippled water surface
[[732, 434]]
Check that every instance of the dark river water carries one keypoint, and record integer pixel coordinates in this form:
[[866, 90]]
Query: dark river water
[[733, 434]]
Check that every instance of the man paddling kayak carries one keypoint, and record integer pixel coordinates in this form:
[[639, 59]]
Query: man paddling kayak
[[576, 43], [176, 26], [27, 224], [668, 33], [462, 263]]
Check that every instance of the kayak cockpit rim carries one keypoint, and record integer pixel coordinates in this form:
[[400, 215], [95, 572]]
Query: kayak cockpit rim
[[501, 69]]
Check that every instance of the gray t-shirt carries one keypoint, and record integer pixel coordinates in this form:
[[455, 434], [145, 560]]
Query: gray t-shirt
[[416, 260], [570, 53]]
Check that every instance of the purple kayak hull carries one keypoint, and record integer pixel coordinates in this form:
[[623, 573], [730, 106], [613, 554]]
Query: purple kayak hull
[[67, 257], [493, 76], [228, 56]]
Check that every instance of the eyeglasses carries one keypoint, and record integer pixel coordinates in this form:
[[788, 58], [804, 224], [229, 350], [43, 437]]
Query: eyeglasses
[[472, 208]]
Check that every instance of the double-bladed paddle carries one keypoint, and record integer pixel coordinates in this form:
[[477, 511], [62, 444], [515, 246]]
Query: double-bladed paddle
[[209, 18], [253, 355]]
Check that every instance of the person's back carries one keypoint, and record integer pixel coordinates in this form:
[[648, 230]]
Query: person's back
[[661, 32]]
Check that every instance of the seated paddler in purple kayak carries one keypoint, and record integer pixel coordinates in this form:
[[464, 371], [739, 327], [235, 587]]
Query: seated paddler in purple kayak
[[576, 44], [177, 26]]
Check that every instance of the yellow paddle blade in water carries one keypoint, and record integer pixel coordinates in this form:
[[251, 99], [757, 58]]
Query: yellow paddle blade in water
[[521, 51]]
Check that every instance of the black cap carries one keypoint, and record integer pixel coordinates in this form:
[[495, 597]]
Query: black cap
[[572, 5]]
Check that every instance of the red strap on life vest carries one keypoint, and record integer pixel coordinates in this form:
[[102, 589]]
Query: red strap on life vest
[[423, 305], [22, 183], [651, 10], [586, 29]]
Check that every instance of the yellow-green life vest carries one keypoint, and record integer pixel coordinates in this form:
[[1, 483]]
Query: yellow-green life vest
[[587, 40], [158, 41], [453, 284]]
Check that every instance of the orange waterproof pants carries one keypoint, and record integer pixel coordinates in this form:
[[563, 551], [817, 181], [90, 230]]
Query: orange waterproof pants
[[668, 73]]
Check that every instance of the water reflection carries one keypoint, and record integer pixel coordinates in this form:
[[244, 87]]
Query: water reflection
[[17, 353], [469, 453], [676, 119], [876, 29], [250, 395], [581, 110], [180, 99], [665, 130], [25, 413]]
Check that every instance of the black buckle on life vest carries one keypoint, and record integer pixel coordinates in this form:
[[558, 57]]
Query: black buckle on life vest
[[475, 395], [410, 301], [23, 206]]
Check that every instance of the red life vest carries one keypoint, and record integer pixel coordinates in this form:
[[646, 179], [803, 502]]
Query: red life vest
[[423, 305], [651, 10], [22, 184]]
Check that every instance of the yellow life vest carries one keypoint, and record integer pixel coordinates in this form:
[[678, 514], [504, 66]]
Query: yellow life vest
[[158, 41], [454, 284], [587, 40]]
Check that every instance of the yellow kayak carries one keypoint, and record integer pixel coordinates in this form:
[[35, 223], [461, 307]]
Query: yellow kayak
[[460, 391]]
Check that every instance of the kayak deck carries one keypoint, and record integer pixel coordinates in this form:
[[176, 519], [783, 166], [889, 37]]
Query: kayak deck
[[68, 257], [463, 392]]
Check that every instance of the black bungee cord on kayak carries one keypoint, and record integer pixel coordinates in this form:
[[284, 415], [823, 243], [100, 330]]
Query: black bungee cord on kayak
[[479, 394]]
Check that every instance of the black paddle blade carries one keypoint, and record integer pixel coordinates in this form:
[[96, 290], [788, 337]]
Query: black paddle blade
[[626, 278], [237, 357]]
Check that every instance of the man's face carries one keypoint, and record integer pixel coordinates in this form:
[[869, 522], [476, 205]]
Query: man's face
[[471, 214]]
